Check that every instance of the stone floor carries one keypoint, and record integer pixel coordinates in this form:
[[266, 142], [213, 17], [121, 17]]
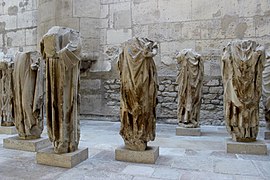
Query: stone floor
[[201, 157]]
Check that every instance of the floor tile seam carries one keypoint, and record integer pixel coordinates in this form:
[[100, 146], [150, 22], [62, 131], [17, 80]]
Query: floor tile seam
[[257, 168]]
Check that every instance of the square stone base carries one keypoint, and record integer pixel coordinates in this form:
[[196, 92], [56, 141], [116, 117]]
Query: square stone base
[[67, 160], [10, 130], [258, 147], [267, 135], [149, 156], [32, 145], [181, 131]]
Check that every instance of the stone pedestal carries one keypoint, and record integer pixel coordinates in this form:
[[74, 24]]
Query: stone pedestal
[[32, 145], [267, 135], [149, 156], [181, 131], [257, 147], [10, 130], [67, 160]]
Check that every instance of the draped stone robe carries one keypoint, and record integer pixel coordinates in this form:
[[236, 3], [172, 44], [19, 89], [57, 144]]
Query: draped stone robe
[[138, 93], [266, 91], [190, 79], [28, 94], [61, 48], [6, 95], [242, 66]]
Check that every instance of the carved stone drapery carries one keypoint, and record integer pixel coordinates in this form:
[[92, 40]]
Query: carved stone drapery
[[28, 94], [189, 78], [6, 95], [138, 92], [61, 48], [242, 66], [266, 91]]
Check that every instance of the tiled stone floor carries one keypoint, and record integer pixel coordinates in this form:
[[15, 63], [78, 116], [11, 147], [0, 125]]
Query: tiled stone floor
[[182, 158]]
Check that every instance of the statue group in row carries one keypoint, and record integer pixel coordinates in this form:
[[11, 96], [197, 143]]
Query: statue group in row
[[22, 90], [242, 65]]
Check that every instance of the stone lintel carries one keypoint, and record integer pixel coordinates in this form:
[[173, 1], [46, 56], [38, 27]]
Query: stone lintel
[[149, 156], [67, 160], [10, 130], [32, 145], [181, 131], [267, 135], [257, 147]]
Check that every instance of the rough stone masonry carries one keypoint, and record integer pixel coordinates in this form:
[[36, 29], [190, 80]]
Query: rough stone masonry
[[203, 25]]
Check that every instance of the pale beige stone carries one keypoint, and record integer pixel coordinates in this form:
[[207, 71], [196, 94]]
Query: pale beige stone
[[61, 48], [242, 66], [189, 78], [257, 147], [149, 156], [6, 95], [182, 131], [266, 91], [8, 130], [28, 94], [32, 145], [67, 160], [138, 76]]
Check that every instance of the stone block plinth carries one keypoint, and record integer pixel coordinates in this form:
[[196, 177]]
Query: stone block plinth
[[267, 135], [67, 160], [32, 145], [257, 147], [8, 130], [181, 131], [149, 156]]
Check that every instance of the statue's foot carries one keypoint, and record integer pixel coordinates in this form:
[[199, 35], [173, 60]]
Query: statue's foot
[[29, 137]]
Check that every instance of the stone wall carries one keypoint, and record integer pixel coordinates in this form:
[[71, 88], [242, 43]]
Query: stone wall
[[18, 26], [204, 25]]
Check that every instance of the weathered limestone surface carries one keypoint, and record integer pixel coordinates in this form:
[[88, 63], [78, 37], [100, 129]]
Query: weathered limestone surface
[[266, 95], [149, 156], [190, 78], [266, 91], [183, 131], [60, 48], [28, 94], [242, 66], [32, 145], [258, 147], [6, 95], [47, 156], [138, 92]]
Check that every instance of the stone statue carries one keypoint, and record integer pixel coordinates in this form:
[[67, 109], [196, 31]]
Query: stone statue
[[28, 94], [190, 79], [266, 91], [61, 48], [138, 92], [242, 65], [6, 99]]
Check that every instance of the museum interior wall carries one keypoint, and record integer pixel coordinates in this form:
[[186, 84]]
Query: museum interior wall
[[203, 25]]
